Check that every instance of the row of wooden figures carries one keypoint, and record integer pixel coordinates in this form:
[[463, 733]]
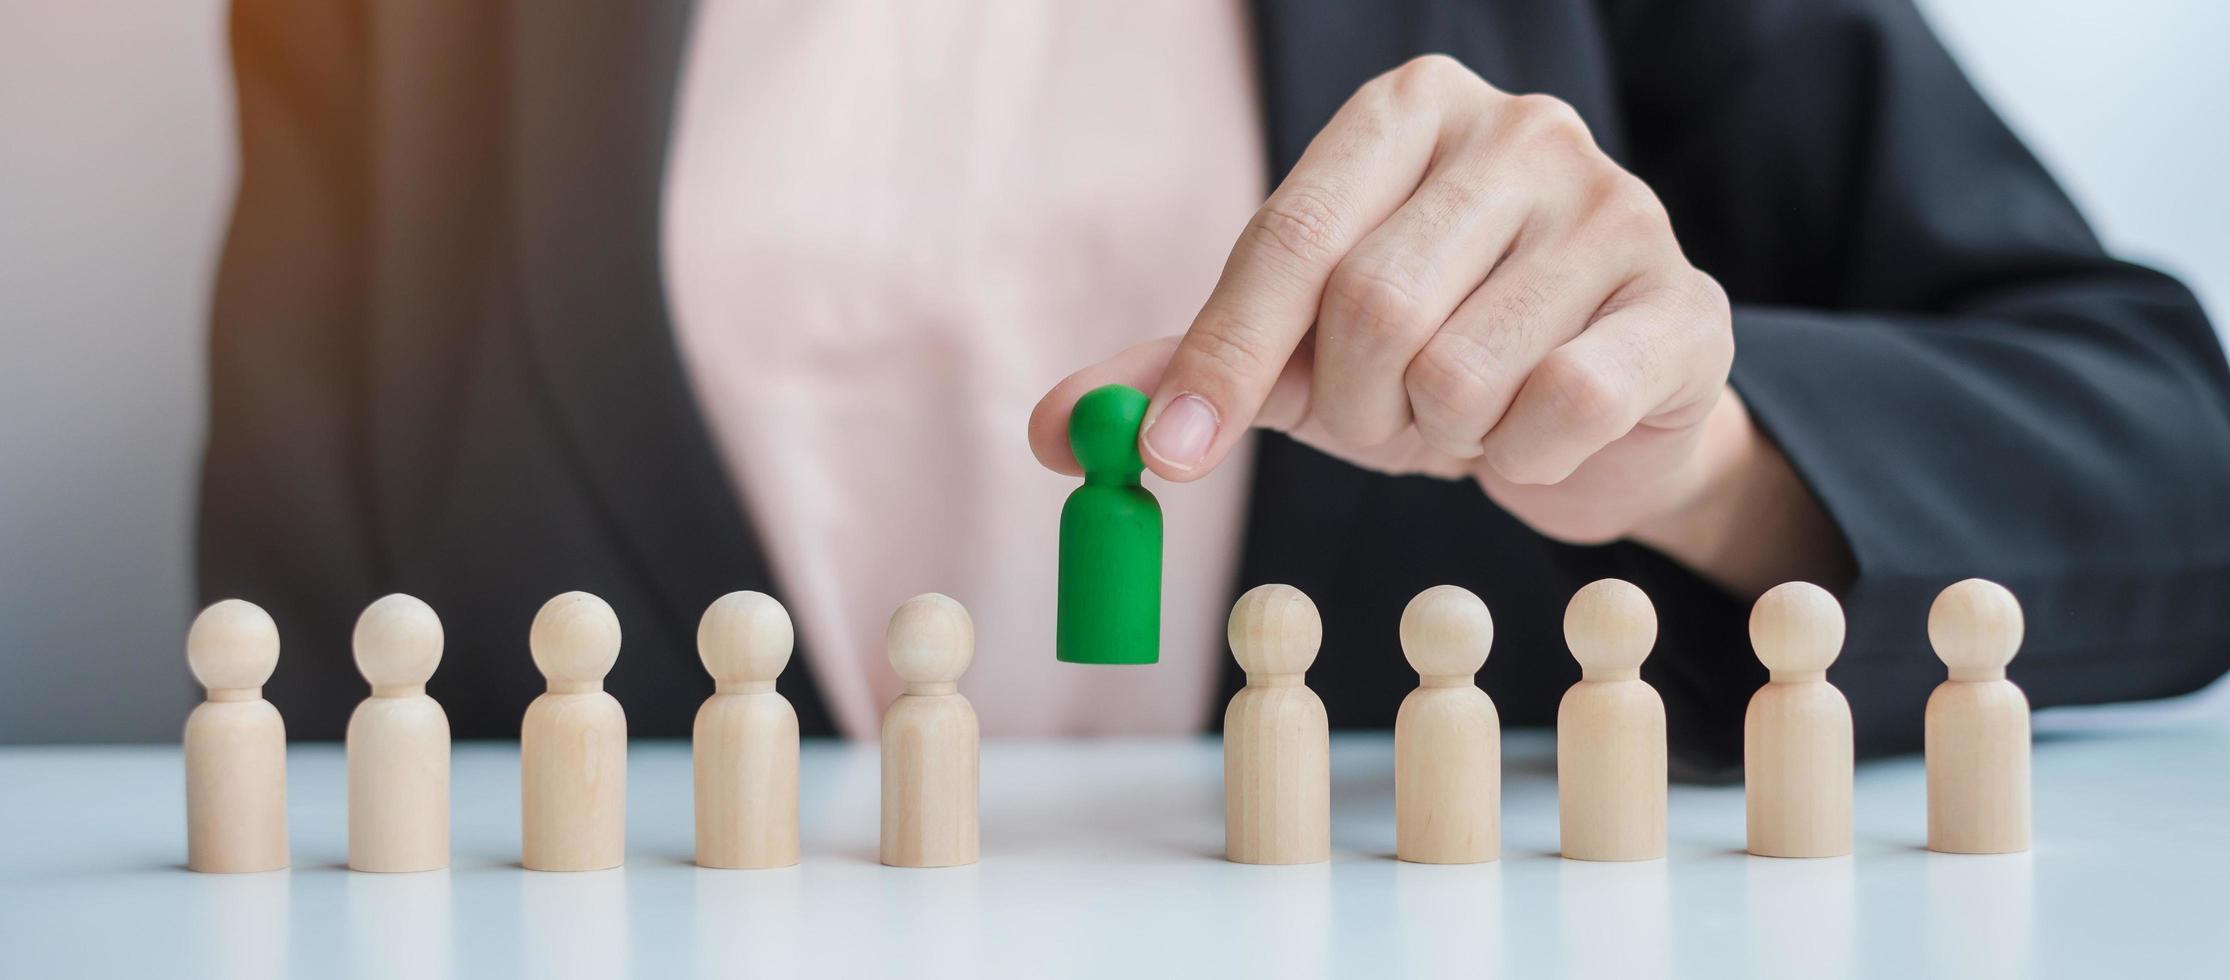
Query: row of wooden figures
[[1610, 731], [1611, 760], [573, 743]]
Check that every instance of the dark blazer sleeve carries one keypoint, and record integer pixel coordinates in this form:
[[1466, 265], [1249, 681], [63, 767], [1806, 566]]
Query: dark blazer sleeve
[[284, 511], [1932, 334]]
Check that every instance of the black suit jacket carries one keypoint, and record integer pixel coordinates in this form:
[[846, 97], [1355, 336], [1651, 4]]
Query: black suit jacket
[[442, 362]]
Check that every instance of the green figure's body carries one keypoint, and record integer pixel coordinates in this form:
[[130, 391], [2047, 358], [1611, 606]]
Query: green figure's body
[[1110, 591]]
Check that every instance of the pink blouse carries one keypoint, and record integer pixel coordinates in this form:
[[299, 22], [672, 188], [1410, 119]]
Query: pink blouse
[[888, 229]]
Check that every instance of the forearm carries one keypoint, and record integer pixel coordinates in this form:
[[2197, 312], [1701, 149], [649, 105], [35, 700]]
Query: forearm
[[1749, 523]]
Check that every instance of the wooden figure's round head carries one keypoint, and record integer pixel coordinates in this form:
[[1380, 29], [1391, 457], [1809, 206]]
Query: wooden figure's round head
[[575, 639], [398, 642], [1103, 431], [1796, 627], [1274, 629], [232, 646], [1446, 631], [1975, 625], [931, 640], [745, 636], [1610, 626]]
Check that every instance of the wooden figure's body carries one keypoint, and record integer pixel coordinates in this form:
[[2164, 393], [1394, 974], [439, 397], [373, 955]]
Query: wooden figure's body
[[1610, 731], [931, 741], [1277, 775], [235, 745], [1611, 771], [1978, 767], [1448, 776], [398, 743], [746, 767], [931, 759], [1277, 745], [573, 743], [1797, 761], [744, 747], [1797, 748], [1447, 736], [573, 782], [1977, 725], [398, 784], [235, 786]]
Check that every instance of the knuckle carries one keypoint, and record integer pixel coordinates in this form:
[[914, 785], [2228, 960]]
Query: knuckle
[[1456, 204], [1710, 298], [1452, 446], [1434, 63], [1448, 437], [1452, 379], [1513, 464], [1693, 314], [1713, 313], [1231, 351], [1546, 120], [1380, 296], [1424, 83], [1375, 115], [1524, 300], [1302, 224], [1625, 206], [1427, 73], [1578, 394]]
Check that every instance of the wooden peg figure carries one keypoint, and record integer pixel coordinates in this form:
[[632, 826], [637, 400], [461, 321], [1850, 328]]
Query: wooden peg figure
[[1109, 590], [235, 744], [745, 744], [1977, 727], [1447, 736], [930, 738], [573, 745], [1796, 737], [398, 743], [1610, 730], [1277, 744]]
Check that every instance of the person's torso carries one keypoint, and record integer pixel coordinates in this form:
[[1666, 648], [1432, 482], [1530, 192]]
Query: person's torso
[[887, 231]]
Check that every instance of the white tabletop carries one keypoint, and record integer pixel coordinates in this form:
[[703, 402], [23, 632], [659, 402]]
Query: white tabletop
[[1103, 859]]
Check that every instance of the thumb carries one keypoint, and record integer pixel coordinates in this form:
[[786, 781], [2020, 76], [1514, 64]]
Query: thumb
[[1143, 367], [1140, 367]]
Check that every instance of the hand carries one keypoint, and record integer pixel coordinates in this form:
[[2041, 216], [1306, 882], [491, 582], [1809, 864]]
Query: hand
[[1457, 281]]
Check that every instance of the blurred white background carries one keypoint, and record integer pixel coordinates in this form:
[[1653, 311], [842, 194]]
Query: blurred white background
[[116, 170]]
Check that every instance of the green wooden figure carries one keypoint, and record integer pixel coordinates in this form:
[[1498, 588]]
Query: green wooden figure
[[1110, 589]]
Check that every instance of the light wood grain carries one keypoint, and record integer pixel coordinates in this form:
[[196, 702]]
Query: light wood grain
[[931, 740], [1447, 735], [1977, 725], [744, 748], [398, 743], [1797, 746], [1277, 769], [1610, 731], [573, 743], [235, 744]]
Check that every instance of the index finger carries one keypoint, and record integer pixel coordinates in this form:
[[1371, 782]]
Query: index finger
[[1354, 174]]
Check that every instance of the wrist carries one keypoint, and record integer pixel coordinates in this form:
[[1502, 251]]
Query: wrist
[[1747, 521], [1700, 512]]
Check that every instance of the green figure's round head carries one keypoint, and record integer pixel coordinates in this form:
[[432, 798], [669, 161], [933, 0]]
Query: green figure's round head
[[1103, 431]]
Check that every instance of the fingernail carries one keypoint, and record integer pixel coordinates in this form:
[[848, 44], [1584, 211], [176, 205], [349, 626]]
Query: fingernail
[[1181, 433]]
